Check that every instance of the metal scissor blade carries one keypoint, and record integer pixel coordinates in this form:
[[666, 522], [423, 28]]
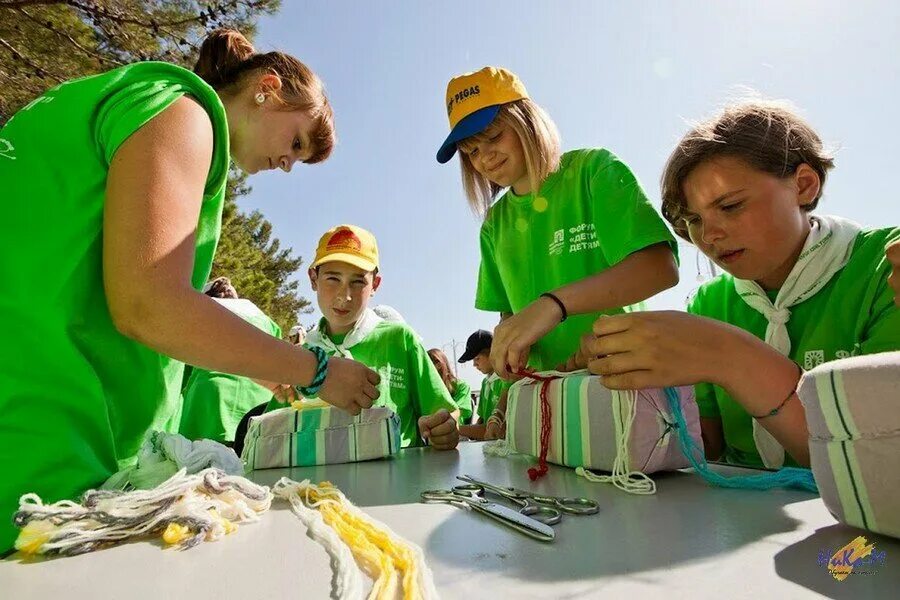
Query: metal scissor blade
[[516, 520]]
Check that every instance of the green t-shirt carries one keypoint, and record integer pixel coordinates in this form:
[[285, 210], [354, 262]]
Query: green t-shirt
[[214, 402], [588, 216], [853, 314], [492, 388], [462, 396], [410, 384], [76, 396]]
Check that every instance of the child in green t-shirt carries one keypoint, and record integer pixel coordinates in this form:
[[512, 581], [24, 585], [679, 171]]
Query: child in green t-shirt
[[573, 237], [492, 397], [344, 276], [459, 389], [798, 289]]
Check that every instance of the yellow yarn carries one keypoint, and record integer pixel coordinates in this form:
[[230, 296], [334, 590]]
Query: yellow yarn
[[304, 404], [175, 534], [33, 536], [382, 557]]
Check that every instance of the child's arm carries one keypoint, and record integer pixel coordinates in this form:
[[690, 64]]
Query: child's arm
[[496, 423], [473, 432], [154, 191], [639, 276], [713, 437], [659, 349]]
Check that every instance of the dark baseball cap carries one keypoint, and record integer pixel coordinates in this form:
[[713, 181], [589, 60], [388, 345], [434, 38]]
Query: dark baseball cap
[[477, 342]]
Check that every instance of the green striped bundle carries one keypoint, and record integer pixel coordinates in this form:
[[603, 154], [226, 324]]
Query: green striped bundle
[[319, 435], [589, 423], [853, 415]]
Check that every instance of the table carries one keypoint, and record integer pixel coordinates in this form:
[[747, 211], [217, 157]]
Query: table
[[689, 539]]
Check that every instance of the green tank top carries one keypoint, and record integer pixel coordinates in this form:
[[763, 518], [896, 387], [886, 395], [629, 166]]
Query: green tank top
[[76, 396]]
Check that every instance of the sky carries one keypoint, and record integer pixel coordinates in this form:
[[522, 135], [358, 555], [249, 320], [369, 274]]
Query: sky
[[627, 76]]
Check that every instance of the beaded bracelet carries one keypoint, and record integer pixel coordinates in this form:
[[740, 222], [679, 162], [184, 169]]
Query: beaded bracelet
[[312, 390], [778, 408], [499, 415], [495, 419]]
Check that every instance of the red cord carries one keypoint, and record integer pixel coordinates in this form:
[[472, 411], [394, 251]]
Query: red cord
[[535, 473]]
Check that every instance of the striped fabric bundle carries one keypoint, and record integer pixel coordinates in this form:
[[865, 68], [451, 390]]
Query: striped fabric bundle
[[319, 434], [854, 438], [588, 424]]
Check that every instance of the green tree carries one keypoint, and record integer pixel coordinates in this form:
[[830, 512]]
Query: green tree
[[257, 265], [46, 42]]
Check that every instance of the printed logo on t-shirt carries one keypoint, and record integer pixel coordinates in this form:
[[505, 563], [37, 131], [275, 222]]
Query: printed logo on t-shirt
[[395, 376], [6, 149], [812, 359], [559, 241], [576, 239]]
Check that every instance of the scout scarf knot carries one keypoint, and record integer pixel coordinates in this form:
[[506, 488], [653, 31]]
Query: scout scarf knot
[[363, 327], [826, 251]]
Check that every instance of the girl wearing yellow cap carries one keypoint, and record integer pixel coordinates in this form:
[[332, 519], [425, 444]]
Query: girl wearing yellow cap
[[573, 237], [113, 188]]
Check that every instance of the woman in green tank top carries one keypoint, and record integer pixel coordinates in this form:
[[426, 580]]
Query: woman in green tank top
[[113, 192]]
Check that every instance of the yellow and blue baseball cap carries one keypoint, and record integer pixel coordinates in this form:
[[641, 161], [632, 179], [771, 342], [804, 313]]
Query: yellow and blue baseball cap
[[350, 244], [473, 100]]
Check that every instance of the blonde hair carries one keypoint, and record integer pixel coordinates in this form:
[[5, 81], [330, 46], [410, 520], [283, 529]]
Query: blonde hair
[[540, 146]]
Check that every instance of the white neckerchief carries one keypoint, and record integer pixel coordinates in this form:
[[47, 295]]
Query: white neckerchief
[[366, 323], [827, 249]]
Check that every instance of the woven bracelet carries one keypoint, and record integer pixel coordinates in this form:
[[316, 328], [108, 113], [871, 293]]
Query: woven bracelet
[[312, 390]]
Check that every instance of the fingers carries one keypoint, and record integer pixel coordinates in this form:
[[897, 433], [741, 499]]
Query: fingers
[[371, 392], [443, 432], [517, 356], [498, 359], [608, 324], [363, 401], [616, 364], [373, 377], [632, 380]]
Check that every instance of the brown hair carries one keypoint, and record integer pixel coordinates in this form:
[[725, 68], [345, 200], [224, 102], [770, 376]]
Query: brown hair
[[767, 135], [540, 144], [443, 366], [221, 287], [227, 58]]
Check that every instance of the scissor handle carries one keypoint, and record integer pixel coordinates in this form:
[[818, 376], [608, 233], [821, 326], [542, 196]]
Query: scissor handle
[[541, 512], [469, 489], [573, 506], [438, 496]]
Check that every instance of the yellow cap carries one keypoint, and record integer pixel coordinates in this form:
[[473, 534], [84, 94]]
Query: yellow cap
[[473, 100], [349, 244]]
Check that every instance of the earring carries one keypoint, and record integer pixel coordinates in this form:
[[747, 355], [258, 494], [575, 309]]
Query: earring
[[260, 98]]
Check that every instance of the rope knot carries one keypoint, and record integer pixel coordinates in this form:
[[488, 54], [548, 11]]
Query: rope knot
[[780, 316]]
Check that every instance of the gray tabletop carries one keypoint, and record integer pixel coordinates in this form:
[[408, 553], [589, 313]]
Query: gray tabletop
[[689, 539]]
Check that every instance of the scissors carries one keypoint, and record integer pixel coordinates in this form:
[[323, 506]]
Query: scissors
[[546, 509], [471, 499]]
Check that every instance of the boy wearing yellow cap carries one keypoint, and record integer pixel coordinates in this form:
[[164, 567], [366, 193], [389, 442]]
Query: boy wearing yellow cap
[[573, 237], [344, 276]]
